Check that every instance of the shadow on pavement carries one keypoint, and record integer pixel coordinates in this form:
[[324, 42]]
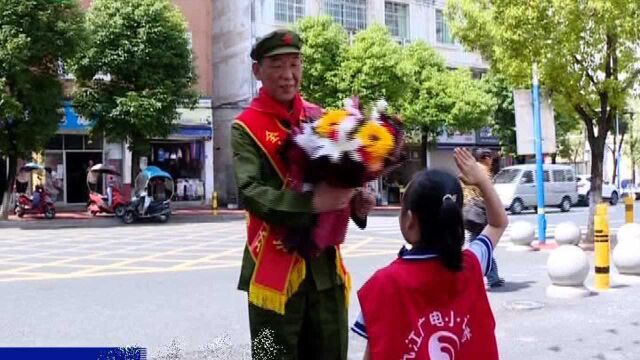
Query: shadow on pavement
[[512, 286]]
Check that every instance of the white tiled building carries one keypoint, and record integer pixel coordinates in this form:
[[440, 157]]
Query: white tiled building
[[238, 23]]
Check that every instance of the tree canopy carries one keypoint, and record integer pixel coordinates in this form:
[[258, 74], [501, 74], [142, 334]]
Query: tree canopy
[[135, 70], [586, 52], [325, 45], [35, 36], [413, 79]]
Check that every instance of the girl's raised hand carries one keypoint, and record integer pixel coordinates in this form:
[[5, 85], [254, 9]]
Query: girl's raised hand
[[470, 171]]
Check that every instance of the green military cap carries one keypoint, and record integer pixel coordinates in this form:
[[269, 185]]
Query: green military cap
[[276, 43]]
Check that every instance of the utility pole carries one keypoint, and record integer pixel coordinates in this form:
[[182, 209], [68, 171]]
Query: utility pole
[[537, 131]]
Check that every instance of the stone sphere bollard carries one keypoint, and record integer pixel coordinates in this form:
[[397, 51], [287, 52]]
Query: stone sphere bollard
[[568, 268], [567, 233], [628, 231], [626, 255], [522, 235]]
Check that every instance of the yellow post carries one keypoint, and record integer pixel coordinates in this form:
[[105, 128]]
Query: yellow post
[[214, 203], [628, 207], [601, 247]]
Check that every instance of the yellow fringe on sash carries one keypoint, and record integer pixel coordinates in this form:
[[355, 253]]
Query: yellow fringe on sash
[[344, 275], [270, 299]]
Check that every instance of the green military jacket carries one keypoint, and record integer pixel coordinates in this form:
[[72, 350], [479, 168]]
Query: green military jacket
[[261, 190]]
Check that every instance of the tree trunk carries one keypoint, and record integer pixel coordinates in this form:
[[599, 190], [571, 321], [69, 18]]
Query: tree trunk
[[7, 204], [633, 170], [597, 153], [554, 156], [614, 177], [423, 149]]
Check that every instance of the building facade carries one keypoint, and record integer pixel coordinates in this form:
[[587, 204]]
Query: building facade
[[238, 24], [187, 154]]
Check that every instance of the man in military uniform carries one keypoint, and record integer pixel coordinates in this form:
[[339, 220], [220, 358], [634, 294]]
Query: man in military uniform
[[297, 305]]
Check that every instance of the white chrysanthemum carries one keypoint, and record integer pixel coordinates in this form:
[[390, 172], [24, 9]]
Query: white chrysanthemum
[[344, 143], [379, 109], [308, 140], [351, 108]]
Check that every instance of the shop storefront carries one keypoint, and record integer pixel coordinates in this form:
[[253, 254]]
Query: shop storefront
[[69, 155], [187, 154]]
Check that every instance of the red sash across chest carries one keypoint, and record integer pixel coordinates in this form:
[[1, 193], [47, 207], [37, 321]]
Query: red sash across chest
[[278, 273]]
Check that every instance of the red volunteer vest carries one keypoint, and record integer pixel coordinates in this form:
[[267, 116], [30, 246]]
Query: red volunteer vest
[[420, 310]]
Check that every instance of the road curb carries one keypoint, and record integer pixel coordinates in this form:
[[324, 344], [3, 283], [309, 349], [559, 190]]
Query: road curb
[[110, 222]]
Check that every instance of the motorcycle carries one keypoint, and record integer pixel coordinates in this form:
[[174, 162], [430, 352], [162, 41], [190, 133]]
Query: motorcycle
[[152, 196], [99, 203], [40, 202]]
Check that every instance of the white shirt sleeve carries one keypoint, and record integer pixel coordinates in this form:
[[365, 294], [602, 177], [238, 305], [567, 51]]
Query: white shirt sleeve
[[481, 247], [359, 328]]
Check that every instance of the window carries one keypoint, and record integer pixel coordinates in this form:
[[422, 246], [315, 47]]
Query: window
[[55, 143], [288, 11], [547, 176], [351, 14], [396, 17], [559, 176], [568, 174], [527, 177], [506, 176], [443, 35]]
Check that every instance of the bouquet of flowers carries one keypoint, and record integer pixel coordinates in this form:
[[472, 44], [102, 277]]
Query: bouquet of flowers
[[344, 148]]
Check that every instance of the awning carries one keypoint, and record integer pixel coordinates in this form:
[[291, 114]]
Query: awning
[[193, 132]]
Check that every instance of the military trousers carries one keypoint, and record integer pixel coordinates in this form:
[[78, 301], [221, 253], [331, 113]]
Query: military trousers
[[314, 326]]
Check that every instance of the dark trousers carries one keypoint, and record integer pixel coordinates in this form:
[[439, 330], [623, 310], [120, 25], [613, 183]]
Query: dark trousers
[[314, 326]]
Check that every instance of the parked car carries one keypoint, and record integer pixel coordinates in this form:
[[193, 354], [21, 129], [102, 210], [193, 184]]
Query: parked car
[[628, 188], [609, 191], [516, 187]]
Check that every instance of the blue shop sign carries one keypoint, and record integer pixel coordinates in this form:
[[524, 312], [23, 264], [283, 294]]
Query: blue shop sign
[[71, 121]]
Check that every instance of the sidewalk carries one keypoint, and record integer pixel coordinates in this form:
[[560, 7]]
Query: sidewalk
[[74, 216]]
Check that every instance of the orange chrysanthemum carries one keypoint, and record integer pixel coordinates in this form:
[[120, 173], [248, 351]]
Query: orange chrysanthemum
[[330, 122]]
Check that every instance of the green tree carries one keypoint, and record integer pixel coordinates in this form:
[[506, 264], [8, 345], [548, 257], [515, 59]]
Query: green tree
[[325, 45], [571, 144], [370, 67], [586, 52], [35, 35], [135, 71], [632, 146], [503, 122], [436, 99]]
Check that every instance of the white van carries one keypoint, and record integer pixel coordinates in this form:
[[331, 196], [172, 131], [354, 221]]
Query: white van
[[516, 186]]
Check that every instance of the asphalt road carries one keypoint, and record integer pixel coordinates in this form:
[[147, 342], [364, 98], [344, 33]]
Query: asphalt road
[[171, 288]]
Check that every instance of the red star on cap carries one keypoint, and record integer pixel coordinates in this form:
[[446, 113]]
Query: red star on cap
[[287, 39]]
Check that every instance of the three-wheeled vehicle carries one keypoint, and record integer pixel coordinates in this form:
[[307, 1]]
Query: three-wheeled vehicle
[[112, 202], [151, 196], [40, 201]]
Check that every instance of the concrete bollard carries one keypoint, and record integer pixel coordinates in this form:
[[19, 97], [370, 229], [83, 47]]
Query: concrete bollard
[[522, 235], [568, 268], [626, 254], [628, 231], [567, 233]]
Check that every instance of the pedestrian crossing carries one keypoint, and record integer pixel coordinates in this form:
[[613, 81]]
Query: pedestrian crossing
[[84, 252]]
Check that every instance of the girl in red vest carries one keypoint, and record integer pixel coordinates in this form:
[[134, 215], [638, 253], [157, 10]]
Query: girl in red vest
[[431, 302]]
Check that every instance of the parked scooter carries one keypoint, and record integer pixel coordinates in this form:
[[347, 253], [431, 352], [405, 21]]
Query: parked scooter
[[152, 196], [39, 202], [113, 202]]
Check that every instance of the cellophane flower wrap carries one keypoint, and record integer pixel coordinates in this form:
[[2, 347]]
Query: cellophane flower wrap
[[345, 148]]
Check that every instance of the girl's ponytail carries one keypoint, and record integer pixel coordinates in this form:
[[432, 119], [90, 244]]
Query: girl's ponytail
[[451, 235], [436, 198]]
